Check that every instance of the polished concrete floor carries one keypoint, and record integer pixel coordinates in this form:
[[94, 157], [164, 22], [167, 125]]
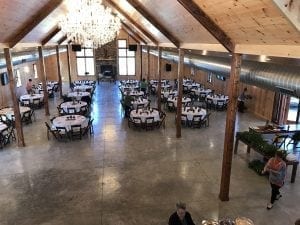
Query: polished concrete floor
[[122, 176]]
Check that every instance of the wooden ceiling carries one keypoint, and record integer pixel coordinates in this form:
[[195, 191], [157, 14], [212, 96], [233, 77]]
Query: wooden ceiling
[[250, 26]]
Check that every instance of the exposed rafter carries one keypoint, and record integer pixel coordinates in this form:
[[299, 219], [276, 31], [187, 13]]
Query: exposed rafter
[[141, 9], [208, 23], [51, 35], [134, 33], [132, 21], [131, 35], [28, 26], [62, 39]]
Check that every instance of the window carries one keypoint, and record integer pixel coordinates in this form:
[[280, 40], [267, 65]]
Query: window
[[85, 62], [126, 59], [18, 78], [209, 77], [35, 71]]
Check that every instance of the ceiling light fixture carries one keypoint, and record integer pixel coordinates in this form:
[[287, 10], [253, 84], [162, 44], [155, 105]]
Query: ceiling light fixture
[[90, 24]]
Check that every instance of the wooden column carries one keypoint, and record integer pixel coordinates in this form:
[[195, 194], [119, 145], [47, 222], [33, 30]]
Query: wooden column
[[230, 126], [18, 123], [42, 77], [69, 64], [159, 79], [179, 99], [141, 61], [148, 64], [58, 71]]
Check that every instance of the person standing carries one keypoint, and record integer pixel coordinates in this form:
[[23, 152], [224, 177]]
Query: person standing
[[29, 86], [144, 85], [241, 101], [181, 216], [277, 172]]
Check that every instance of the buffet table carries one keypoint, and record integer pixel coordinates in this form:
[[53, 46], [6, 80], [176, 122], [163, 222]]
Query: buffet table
[[249, 146]]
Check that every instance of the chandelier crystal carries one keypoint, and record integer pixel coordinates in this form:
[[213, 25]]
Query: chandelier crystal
[[90, 24]]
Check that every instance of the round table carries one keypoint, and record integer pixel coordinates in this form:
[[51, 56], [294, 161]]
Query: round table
[[9, 112], [64, 121], [84, 82], [77, 105], [78, 95], [31, 97], [184, 100], [199, 91], [155, 82], [129, 87], [143, 114], [193, 111], [136, 93], [167, 93], [216, 98], [193, 85], [3, 126], [163, 86], [139, 101], [83, 87]]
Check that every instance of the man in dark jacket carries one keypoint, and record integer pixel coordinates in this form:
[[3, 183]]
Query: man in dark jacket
[[181, 216]]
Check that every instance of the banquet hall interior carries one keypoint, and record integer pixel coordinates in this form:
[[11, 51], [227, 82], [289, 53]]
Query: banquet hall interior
[[174, 101]]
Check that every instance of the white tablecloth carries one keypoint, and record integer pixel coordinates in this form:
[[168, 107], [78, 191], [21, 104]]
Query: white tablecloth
[[140, 101], [130, 88], [167, 93], [143, 114], [136, 93], [62, 121], [163, 86], [70, 104], [184, 100], [83, 87], [199, 91], [193, 85], [193, 111], [84, 82], [215, 98], [78, 95], [155, 82], [9, 112], [31, 97], [2, 126]]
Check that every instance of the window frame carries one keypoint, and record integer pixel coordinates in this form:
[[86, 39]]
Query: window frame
[[128, 57], [18, 77], [85, 56]]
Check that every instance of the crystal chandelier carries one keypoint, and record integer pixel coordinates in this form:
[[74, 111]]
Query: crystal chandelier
[[90, 24]]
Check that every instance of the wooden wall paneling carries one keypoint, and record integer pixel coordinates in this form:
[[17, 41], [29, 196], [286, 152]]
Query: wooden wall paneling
[[69, 64], [18, 123], [42, 77], [159, 78], [58, 70]]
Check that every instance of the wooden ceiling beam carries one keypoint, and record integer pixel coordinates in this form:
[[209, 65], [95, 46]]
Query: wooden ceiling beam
[[132, 21], [36, 19], [142, 10], [61, 40], [208, 23], [134, 33], [51, 35], [131, 35]]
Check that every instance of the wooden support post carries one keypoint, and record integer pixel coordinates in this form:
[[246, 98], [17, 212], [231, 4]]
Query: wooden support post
[[148, 64], [18, 123], [69, 65], [58, 71], [42, 78], [230, 126], [159, 78], [141, 61], [179, 98]]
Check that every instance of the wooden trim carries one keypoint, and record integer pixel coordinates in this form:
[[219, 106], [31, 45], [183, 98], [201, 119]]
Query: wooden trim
[[61, 40], [58, 71], [208, 23], [134, 33], [28, 26], [42, 77], [18, 123], [234, 80], [142, 10], [148, 64], [127, 17], [180, 87], [69, 64], [51, 35], [159, 78]]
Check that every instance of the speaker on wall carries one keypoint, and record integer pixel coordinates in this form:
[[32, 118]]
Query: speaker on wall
[[4, 79], [76, 48], [168, 67], [132, 48]]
